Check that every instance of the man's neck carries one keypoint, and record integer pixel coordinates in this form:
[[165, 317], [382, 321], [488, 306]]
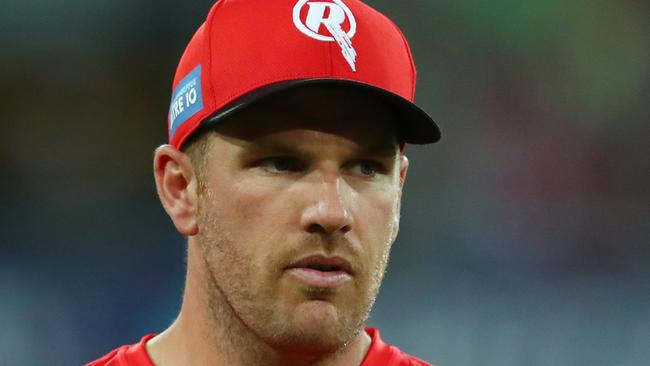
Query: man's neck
[[200, 337], [172, 348]]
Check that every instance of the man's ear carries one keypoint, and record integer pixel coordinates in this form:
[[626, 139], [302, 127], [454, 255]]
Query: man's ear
[[177, 187], [403, 168]]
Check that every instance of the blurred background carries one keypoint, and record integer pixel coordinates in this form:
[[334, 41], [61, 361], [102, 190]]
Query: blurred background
[[525, 233]]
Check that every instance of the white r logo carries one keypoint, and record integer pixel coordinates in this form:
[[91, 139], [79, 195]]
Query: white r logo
[[333, 23]]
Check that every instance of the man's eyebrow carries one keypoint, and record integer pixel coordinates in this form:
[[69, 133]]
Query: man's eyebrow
[[263, 146], [382, 150]]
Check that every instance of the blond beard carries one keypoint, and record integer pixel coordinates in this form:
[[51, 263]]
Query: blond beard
[[245, 326]]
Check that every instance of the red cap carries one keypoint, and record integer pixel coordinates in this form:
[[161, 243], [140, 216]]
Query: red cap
[[249, 49]]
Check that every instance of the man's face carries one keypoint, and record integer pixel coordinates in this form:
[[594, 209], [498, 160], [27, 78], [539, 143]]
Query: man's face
[[298, 209]]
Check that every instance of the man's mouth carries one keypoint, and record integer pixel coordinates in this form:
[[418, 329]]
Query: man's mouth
[[321, 271]]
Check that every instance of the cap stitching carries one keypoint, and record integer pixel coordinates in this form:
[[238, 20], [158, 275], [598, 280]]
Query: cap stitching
[[404, 41], [408, 53], [209, 24], [330, 58]]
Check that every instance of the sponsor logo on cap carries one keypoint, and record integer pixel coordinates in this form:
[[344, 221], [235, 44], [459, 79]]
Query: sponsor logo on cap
[[187, 100], [325, 21]]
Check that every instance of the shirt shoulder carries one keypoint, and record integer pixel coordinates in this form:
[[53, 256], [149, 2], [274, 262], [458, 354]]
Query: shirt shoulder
[[129, 355], [384, 354], [379, 354]]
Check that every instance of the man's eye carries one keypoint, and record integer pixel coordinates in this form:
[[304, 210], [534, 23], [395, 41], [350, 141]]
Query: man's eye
[[367, 168], [280, 164]]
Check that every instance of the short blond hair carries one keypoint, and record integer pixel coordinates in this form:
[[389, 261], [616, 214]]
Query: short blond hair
[[197, 149]]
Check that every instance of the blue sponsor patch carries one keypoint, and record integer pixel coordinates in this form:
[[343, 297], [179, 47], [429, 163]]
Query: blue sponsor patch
[[187, 100]]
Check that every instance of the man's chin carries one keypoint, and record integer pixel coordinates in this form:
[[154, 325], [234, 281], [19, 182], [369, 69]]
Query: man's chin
[[317, 313], [318, 325]]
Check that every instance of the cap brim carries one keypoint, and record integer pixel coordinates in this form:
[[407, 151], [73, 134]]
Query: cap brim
[[414, 126]]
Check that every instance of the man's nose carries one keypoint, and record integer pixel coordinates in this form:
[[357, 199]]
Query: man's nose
[[328, 211]]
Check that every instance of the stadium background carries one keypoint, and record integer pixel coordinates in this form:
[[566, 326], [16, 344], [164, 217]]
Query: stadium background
[[525, 231]]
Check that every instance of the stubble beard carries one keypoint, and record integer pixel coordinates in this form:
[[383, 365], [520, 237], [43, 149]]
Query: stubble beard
[[243, 321]]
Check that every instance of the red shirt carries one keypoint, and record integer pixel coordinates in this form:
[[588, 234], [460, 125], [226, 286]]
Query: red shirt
[[379, 353]]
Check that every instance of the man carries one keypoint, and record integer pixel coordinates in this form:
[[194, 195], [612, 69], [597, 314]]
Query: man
[[285, 169]]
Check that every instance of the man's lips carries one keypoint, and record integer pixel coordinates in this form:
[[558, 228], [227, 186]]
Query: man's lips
[[321, 271]]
